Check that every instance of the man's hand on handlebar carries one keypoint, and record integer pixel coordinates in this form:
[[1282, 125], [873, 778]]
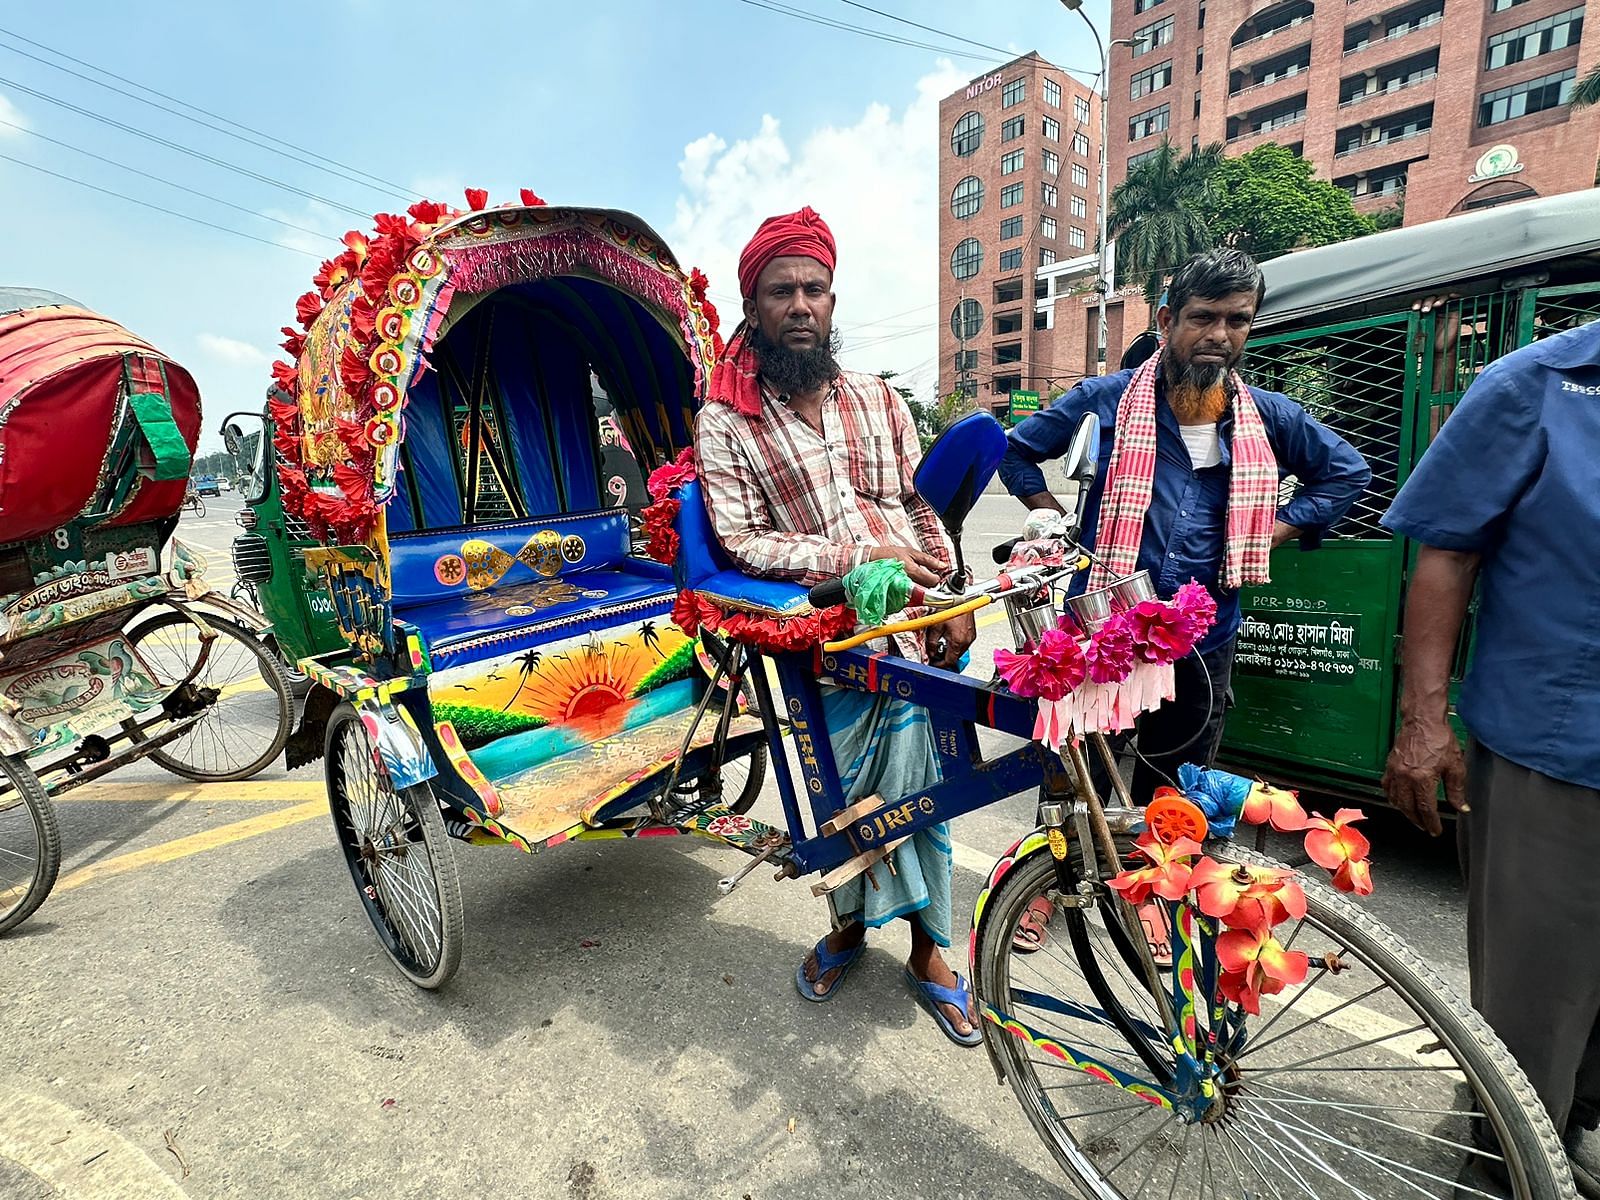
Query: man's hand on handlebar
[[949, 641], [922, 568]]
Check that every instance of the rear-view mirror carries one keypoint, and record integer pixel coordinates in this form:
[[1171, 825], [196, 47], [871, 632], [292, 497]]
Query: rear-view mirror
[[959, 465], [1082, 458], [231, 437]]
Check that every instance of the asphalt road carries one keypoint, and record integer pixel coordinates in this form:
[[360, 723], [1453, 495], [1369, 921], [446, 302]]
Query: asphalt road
[[201, 1009]]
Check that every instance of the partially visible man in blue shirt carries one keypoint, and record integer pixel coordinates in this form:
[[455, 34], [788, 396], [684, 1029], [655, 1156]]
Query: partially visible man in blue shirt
[[1508, 497], [1205, 323]]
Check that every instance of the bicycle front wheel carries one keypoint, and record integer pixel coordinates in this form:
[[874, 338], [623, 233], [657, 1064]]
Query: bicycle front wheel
[[1365, 1081], [30, 845]]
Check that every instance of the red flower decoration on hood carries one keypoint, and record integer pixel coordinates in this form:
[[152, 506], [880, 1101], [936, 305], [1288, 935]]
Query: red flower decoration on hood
[[669, 477], [284, 415], [293, 341], [286, 376], [477, 199], [530, 198], [661, 539], [1160, 634], [429, 212], [307, 309]]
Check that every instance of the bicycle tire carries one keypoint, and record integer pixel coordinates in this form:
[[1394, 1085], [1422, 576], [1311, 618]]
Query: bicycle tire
[[359, 794], [1498, 1090], [181, 756], [33, 800], [756, 771]]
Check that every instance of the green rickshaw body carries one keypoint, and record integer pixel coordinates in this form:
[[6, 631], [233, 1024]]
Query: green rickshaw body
[[1316, 674]]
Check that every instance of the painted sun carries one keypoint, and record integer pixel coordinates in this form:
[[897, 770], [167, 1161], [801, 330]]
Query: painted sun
[[590, 687]]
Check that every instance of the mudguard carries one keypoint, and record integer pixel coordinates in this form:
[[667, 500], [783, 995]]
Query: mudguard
[[1028, 844]]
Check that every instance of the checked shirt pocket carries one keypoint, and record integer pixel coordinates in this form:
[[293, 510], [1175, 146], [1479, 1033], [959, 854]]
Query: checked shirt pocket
[[874, 468]]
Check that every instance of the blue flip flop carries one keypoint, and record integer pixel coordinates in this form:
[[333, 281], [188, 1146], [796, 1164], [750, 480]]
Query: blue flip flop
[[931, 995], [827, 961]]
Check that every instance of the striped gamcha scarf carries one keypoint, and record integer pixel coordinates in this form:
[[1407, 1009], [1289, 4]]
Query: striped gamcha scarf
[[1130, 484]]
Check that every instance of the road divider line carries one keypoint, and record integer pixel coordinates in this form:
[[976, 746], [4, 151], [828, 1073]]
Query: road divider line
[[195, 843], [256, 791], [73, 1154]]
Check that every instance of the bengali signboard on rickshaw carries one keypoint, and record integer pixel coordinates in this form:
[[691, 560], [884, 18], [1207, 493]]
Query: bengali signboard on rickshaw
[[1315, 647]]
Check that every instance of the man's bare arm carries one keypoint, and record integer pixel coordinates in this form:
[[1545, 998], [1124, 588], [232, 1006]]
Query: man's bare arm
[[1425, 750]]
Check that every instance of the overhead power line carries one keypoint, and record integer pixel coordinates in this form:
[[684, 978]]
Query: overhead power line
[[182, 149], [862, 31], [366, 179], [167, 182], [928, 28], [171, 212]]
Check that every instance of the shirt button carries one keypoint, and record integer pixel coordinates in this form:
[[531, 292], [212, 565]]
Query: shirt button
[[1172, 556], [1183, 512]]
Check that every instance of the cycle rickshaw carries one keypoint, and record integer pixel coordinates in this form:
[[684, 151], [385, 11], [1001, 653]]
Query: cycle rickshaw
[[105, 656], [500, 656]]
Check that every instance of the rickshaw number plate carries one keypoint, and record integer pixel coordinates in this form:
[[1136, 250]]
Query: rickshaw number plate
[[90, 687]]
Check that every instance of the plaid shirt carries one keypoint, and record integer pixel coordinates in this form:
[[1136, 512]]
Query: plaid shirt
[[790, 503]]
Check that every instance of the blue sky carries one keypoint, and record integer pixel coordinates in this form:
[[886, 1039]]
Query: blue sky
[[702, 116]]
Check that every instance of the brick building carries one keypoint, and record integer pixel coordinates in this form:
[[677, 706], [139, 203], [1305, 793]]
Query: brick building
[[1018, 173], [1451, 105]]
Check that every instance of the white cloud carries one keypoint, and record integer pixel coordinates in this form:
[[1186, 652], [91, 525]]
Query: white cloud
[[231, 350], [9, 112], [876, 184]]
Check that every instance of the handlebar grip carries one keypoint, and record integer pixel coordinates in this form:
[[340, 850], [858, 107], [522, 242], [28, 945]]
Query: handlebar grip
[[827, 594], [1002, 552]]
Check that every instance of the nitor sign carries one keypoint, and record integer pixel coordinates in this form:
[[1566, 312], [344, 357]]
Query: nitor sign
[[978, 86]]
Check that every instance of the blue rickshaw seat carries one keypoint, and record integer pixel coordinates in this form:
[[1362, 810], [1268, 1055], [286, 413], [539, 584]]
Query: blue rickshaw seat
[[704, 565]]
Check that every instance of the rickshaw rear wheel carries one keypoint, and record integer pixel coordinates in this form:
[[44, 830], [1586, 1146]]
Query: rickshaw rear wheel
[[1360, 1081], [27, 873], [399, 855], [230, 742]]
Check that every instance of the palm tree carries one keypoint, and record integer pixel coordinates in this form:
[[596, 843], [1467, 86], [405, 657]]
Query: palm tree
[[652, 639], [1587, 92], [1158, 213], [527, 664]]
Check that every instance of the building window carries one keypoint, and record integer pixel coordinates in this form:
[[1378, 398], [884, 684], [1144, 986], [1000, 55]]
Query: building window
[[1048, 195], [1151, 36], [1014, 92], [1080, 110], [1520, 99], [1538, 37], [1052, 93], [1009, 353], [966, 260], [1144, 6], [1041, 318], [1078, 206], [1011, 130], [1052, 163], [1143, 155], [966, 320], [1142, 125], [1052, 129], [1047, 227], [1011, 195], [1199, 59], [1011, 163], [1503, 5], [967, 198], [1076, 237], [1150, 80], [1046, 256], [1011, 260], [967, 360], [1010, 228], [1004, 385], [1080, 175], [1197, 104], [1005, 323], [1080, 145], [967, 135], [1008, 291]]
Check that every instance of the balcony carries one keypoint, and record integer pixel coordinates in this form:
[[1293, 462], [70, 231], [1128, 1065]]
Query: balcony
[[1415, 149], [1268, 119], [1271, 22], [1394, 35], [1392, 87], [1272, 33], [1266, 93], [1268, 71]]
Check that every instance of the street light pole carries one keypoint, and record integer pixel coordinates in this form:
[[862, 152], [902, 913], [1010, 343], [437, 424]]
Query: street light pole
[[1103, 284]]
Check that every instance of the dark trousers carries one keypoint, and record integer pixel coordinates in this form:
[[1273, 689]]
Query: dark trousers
[[1188, 728], [1531, 850]]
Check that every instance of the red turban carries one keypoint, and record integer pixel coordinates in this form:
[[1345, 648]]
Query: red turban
[[800, 233]]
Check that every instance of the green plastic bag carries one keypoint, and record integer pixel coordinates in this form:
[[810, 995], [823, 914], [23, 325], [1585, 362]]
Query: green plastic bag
[[877, 588]]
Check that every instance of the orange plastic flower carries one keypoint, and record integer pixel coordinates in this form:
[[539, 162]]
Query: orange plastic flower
[[1250, 898], [1278, 806], [1354, 876], [1254, 964], [1332, 843], [1167, 875]]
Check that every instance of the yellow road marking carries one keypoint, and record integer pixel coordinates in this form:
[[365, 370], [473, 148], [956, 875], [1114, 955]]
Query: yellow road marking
[[196, 843], [75, 1155], [256, 791], [991, 618]]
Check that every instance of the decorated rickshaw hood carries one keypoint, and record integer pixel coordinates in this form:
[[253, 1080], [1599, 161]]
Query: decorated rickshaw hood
[[379, 306]]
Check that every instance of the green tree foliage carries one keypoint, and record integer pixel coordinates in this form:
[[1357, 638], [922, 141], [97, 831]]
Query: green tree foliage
[[1268, 202], [1587, 91], [478, 726], [1162, 213], [1390, 218], [933, 419]]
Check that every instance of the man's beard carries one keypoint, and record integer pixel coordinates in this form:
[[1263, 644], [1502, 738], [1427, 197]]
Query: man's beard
[[795, 372], [1195, 391]]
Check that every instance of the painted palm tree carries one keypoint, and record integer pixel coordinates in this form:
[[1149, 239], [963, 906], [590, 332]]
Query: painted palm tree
[[652, 639], [526, 665], [1158, 213], [1587, 92]]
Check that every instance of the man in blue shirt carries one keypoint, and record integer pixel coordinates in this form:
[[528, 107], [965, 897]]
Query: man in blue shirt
[[1205, 322], [1508, 497]]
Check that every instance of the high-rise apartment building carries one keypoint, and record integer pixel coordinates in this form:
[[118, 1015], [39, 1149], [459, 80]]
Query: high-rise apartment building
[[1452, 105], [1018, 175]]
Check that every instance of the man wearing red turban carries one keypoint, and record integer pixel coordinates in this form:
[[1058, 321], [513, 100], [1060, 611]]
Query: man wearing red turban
[[807, 473]]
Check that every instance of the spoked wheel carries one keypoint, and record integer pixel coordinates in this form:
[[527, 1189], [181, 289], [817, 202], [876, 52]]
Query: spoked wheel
[[398, 854], [1361, 1082], [199, 507], [247, 724], [743, 774], [299, 682], [30, 844]]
